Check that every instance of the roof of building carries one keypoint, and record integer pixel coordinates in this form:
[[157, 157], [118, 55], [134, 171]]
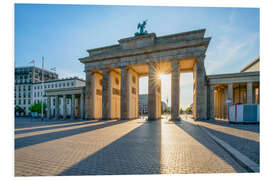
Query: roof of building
[[250, 64], [64, 79], [26, 67]]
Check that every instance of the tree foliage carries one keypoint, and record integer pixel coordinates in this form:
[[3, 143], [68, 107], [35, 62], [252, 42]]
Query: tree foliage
[[19, 109], [37, 107], [188, 110], [181, 111]]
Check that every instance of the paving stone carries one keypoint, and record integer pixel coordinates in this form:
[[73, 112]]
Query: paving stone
[[118, 147]]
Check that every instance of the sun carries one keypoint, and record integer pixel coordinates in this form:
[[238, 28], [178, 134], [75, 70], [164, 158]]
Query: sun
[[161, 76]]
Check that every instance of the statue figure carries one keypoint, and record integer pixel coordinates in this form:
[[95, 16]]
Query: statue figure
[[141, 28]]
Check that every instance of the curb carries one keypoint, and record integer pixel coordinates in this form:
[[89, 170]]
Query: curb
[[243, 160]]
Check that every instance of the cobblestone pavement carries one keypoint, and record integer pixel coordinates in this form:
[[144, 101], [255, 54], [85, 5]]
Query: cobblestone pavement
[[117, 147], [243, 137]]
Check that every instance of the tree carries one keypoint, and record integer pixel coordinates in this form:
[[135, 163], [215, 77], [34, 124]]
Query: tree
[[19, 110], [181, 111], [188, 110], [37, 108]]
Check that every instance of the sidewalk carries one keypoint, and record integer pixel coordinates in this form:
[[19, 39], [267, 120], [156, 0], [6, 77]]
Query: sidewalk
[[244, 138]]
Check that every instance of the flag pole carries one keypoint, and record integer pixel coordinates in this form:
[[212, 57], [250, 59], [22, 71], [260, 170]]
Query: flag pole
[[42, 79]]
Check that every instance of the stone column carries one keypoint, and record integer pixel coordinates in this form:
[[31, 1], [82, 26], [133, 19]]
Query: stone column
[[138, 97], [56, 107], [49, 107], [125, 93], [249, 93], [211, 97], [218, 102], [226, 105], [199, 90], [230, 92], [82, 105], [175, 90], [88, 96], [72, 106], [153, 90], [64, 106], [106, 94]]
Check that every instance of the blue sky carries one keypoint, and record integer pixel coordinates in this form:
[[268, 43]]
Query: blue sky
[[63, 33]]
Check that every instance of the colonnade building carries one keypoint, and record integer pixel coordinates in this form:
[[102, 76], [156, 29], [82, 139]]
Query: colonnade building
[[238, 88], [25, 77]]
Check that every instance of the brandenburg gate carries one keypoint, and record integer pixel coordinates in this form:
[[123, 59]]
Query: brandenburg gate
[[113, 72]]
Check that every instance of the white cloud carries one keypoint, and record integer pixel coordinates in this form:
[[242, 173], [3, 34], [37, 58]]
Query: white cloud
[[227, 52]]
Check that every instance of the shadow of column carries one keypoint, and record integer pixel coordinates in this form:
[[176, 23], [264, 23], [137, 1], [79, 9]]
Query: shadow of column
[[138, 152]]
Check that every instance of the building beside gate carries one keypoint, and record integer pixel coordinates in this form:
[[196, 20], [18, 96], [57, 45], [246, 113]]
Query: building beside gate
[[143, 104], [238, 88], [25, 77]]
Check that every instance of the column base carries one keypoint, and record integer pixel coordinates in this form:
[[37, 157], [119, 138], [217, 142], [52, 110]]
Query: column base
[[175, 119], [153, 119], [123, 119], [107, 119]]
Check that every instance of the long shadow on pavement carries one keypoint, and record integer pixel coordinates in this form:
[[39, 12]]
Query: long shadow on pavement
[[248, 127], [52, 127], [248, 147], [41, 138], [194, 131], [32, 123], [137, 152]]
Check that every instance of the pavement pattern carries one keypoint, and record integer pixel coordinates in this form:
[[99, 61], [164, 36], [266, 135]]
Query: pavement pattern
[[117, 147], [243, 137]]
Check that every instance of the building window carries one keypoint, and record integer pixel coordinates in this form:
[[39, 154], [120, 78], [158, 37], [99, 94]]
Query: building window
[[34, 87], [48, 86], [52, 85], [29, 101], [54, 102], [19, 102], [24, 101], [63, 84], [45, 86], [34, 94], [72, 84], [55, 85], [29, 88], [59, 84], [29, 94]]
